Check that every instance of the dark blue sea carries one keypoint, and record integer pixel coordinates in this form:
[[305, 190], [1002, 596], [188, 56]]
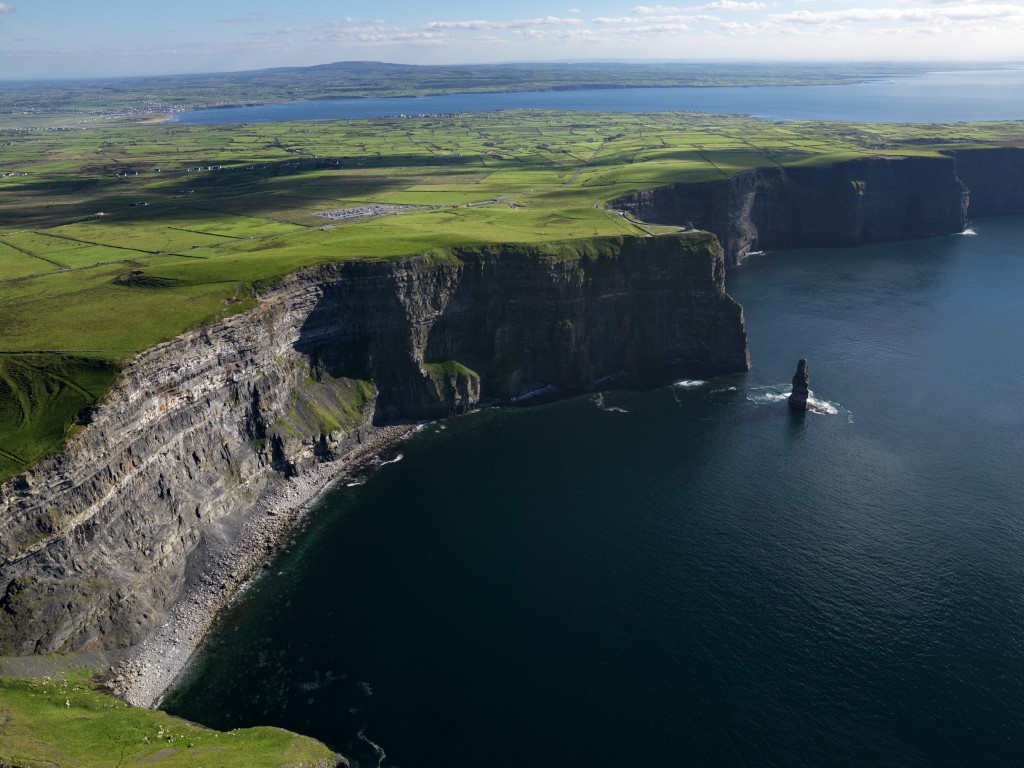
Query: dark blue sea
[[933, 98], [690, 575]]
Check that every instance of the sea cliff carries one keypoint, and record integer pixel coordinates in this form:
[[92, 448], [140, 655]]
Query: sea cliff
[[145, 505], [866, 200], [193, 464]]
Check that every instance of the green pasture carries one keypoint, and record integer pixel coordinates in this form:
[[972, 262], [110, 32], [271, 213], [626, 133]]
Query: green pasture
[[194, 216], [40, 397], [65, 722]]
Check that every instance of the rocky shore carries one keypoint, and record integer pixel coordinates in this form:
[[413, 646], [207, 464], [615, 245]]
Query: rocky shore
[[150, 668]]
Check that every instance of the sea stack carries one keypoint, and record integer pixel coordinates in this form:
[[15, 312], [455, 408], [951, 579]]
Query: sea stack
[[801, 387]]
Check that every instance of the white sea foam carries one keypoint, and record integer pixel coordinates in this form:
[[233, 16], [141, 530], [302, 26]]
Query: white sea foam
[[767, 395], [598, 400], [969, 231], [689, 383], [535, 393], [395, 460], [823, 407], [778, 393], [378, 751]]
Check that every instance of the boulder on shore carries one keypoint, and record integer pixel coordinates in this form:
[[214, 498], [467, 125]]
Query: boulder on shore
[[801, 387]]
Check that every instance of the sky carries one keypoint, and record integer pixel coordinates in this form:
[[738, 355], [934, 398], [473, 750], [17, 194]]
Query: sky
[[74, 38]]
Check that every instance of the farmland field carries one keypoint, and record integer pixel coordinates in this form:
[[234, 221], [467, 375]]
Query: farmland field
[[114, 238]]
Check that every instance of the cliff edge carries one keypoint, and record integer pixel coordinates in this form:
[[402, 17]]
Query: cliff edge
[[98, 543], [871, 199]]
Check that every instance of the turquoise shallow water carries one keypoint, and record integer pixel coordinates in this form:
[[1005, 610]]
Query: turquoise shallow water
[[936, 97], [689, 575]]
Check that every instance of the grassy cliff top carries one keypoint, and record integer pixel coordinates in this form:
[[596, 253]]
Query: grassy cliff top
[[65, 722], [115, 238]]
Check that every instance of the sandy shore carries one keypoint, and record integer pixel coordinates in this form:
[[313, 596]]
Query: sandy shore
[[154, 665]]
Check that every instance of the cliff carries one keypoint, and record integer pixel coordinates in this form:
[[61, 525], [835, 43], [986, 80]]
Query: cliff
[[98, 543], [858, 201], [995, 178]]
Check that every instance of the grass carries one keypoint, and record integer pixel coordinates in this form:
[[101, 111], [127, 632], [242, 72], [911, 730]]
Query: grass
[[40, 397], [91, 290], [65, 722]]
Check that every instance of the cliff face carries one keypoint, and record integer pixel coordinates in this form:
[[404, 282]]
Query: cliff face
[[95, 544], [995, 178], [859, 201], [495, 323]]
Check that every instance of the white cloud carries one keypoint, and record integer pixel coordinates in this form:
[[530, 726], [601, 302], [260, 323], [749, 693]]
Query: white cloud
[[941, 14], [652, 19], [654, 10], [655, 29], [731, 5], [6, 8], [513, 24], [739, 28], [376, 34], [936, 20]]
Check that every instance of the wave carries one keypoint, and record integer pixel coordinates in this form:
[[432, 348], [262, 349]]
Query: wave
[[689, 383], [824, 407], [598, 400], [969, 231], [779, 393], [378, 752], [535, 393], [772, 394]]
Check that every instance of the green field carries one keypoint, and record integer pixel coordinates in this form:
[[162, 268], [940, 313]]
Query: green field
[[178, 245], [65, 722]]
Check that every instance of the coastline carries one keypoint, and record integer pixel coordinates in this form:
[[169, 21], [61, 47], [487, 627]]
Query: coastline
[[149, 669]]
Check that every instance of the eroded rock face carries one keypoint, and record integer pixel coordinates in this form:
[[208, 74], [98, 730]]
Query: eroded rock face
[[801, 387], [860, 201], [495, 322], [995, 178], [96, 544]]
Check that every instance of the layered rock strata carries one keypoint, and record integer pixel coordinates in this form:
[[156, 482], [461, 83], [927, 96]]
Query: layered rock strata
[[97, 544]]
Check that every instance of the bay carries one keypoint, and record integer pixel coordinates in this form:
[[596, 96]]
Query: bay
[[689, 575], [932, 98]]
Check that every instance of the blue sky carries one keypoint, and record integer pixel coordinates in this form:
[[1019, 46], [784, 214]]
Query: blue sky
[[56, 38]]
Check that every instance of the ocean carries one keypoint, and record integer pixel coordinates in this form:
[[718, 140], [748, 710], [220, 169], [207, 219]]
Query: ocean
[[689, 575]]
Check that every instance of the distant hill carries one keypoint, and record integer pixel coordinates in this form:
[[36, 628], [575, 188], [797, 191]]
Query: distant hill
[[355, 79]]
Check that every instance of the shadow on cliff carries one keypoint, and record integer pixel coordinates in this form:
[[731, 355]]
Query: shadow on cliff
[[437, 335]]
